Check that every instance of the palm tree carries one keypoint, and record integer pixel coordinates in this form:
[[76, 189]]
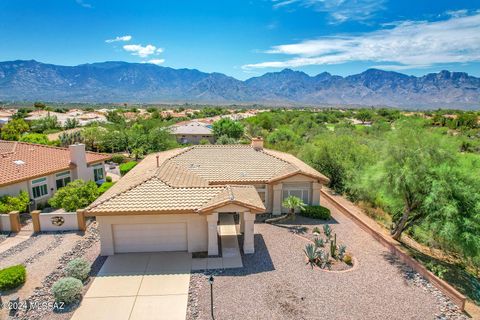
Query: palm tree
[[292, 203]]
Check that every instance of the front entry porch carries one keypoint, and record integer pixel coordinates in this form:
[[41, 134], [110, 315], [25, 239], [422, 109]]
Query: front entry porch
[[227, 228]]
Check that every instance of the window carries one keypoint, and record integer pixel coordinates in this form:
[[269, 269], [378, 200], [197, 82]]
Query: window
[[98, 173], [300, 190], [62, 179], [262, 192], [39, 188]]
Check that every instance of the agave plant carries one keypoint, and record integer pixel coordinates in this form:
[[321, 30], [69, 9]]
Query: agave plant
[[318, 242], [341, 251], [312, 254], [328, 231]]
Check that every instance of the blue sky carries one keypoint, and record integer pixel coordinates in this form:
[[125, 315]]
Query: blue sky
[[248, 38]]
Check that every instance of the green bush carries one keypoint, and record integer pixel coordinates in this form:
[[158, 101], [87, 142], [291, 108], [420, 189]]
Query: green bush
[[348, 259], [67, 290], [118, 158], [108, 179], [19, 203], [12, 277], [78, 268], [316, 212], [76, 195], [125, 167], [104, 187]]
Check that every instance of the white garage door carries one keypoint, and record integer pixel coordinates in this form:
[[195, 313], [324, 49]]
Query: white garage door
[[150, 237]]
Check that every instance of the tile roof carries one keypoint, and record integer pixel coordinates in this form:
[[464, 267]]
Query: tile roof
[[192, 127], [199, 179], [38, 161]]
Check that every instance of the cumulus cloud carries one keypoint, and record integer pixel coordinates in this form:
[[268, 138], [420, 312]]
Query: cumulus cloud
[[142, 51], [406, 44], [119, 39], [338, 10]]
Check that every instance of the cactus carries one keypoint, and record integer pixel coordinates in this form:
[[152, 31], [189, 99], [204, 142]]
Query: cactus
[[328, 231], [333, 247]]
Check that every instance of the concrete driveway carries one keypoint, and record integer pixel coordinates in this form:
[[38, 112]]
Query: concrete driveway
[[139, 286]]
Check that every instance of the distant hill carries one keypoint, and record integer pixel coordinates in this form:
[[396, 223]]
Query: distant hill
[[135, 82]]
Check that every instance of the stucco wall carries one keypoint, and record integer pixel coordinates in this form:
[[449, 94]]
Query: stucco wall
[[14, 189], [4, 222], [70, 221], [197, 232]]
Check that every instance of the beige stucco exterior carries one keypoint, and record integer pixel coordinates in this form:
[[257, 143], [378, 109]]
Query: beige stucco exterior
[[201, 229], [197, 234]]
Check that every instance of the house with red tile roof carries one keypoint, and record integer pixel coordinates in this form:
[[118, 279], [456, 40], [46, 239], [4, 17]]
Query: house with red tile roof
[[42, 170]]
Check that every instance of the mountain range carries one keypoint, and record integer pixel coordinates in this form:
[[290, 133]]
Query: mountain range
[[114, 81]]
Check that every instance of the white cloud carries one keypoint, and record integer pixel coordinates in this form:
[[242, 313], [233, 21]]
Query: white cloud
[[338, 10], [407, 43], [142, 51], [119, 38], [84, 4], [155, 61]]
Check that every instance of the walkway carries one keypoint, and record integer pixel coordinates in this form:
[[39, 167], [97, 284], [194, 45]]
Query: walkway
[[139, 286], [16, 238], [231, 257]]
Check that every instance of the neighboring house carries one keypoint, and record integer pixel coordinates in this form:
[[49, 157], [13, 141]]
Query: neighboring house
[[192, 132], [41, 170], [171, 200]]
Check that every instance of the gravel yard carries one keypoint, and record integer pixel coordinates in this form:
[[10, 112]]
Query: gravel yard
[[275, 282], [45, 256]]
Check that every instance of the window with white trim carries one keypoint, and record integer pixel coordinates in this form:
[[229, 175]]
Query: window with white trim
[[62, 179], [39, 188], [98, 173]]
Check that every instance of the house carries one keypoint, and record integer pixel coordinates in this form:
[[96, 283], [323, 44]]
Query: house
[[192, 132], [41, 170], [171, 200]]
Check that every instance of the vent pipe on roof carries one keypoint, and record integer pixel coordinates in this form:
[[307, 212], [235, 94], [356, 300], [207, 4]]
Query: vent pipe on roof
[[158, 163], [257, 143]]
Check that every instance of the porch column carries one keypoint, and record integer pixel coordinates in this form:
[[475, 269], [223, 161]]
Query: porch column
[[242, 222], [316, 193], [277, 199], [248, 235], [212, 220]]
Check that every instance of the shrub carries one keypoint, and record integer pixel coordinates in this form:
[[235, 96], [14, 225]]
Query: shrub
[[9, 203], [436, 269], [12, 277], [118, 158], [78, 268], [125, 167], [348, 259], [76, 195], [67, 290], [108, 179], [316, 230], [316, 212], [104, 187]]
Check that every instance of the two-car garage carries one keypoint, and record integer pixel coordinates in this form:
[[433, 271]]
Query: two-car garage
[[150, 237], [152, 233]]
